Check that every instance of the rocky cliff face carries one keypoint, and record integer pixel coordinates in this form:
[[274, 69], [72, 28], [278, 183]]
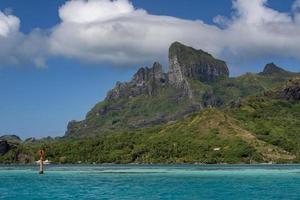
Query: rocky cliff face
[[4, 147], [186, 62], [291, 91], [154, 75], [145, 81]]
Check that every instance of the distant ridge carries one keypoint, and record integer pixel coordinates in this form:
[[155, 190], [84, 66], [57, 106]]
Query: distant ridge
[[11, 138], [273, 69]]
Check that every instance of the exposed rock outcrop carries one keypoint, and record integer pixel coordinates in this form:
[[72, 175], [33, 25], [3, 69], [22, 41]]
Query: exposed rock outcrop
[[186, 62], [154, 75], [4, 147], [145, 81], [292, 90]]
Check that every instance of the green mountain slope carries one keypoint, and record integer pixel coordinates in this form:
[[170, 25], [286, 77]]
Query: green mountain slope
[[210, 136], [261, 128], [275, 116], [195, 80]]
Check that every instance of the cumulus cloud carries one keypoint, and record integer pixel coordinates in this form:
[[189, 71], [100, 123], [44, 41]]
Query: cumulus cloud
[[115, 31], [9, 24], [257, 31], [17, 48]]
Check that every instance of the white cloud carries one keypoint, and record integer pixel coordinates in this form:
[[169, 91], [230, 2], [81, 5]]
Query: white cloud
[[257, 31], [17, 48], [94, 11], [9, 24], [115, 31]]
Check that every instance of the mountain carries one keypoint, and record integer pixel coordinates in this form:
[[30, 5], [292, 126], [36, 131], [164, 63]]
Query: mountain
[[194, 81], [256, 129], [272, 69], [153, 96], [193, 113]]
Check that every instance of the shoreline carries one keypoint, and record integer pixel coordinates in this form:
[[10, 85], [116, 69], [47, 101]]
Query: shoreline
[[153, 164]]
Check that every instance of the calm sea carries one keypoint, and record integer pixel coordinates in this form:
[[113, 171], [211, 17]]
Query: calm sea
[[151, 182]]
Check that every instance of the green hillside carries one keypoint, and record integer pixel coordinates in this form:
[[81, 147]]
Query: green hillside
[[274, 117], [195, 81], [261, 128], [194, 113]]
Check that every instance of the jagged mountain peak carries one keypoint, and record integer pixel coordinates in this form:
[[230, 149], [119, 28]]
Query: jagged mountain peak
[[145, 81], [186, 62], [144, 74], [272, 68]]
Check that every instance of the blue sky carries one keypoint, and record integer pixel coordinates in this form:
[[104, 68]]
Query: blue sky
[[39, 98]]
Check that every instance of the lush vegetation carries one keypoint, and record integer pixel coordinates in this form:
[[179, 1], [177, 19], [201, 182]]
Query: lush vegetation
[[149, 102], [272, 120], [246, 125], [195, 139], [127, 114], [210, 136], [170, 104]]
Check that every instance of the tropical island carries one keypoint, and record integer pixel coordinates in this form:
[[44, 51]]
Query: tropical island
[[193, 113]]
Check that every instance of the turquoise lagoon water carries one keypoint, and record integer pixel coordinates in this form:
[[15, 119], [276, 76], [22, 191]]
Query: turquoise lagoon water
[[151, 182]]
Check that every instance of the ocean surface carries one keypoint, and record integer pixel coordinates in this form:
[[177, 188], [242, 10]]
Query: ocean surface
[[151, 182]]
